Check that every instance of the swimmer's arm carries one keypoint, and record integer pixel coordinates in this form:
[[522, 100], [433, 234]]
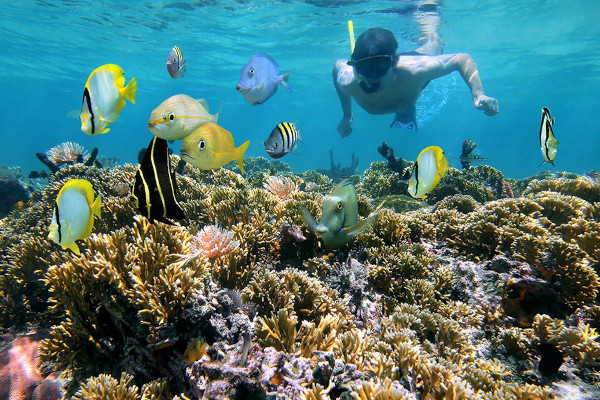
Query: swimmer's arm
[[344, 127], [345, 99], [466, 67]]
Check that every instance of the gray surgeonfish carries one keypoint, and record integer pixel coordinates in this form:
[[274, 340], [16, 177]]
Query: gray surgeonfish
[[548, 143], [259, 79], [282, 140], [154, 190], [339, 219], [176, 63]]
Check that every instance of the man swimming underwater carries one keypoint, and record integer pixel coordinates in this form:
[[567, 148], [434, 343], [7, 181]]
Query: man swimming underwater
[[384, 82]]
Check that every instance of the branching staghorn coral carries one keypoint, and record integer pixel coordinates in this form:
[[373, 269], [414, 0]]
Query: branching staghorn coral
[[105, 387], [130, 306]]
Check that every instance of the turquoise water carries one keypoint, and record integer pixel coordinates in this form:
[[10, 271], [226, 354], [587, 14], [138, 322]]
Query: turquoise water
[[530, 54]]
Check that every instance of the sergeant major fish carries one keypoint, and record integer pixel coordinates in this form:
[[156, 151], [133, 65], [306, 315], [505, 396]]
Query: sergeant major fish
[[178, 116], [430, 166], [282, 140], [73, 216], [176, 63], [339, 219], [104, 97], [154, 190], [259, 79], [210, 147], [548, 143]]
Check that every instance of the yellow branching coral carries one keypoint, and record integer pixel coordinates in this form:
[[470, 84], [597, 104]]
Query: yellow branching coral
[[105, 387], [385, 389], [579, 342], [122, 298]]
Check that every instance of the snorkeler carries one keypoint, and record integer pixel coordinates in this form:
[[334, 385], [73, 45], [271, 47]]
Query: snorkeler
[[384, 82]]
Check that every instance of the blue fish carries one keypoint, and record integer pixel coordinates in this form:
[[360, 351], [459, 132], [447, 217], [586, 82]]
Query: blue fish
[[260, 78]]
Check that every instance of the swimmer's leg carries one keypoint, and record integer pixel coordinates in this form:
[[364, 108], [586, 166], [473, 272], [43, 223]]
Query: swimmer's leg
[[429, 19], [406, 119]]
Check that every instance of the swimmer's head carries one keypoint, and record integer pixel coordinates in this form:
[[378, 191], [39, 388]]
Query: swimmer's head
[[374, 53]]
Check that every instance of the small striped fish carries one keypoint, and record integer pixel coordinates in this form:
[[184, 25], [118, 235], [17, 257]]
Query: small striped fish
[[282, 140], [178, 116], [548, 143], [175, 63]]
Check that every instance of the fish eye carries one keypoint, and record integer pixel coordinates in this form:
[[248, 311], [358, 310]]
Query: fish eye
[[275, 145], [251, 71], [339, 205], [171, 116], [201, 145]]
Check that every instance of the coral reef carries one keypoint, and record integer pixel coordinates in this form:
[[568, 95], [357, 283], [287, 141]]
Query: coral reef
[[402, 167], [336, 172], [466, 156], [12, 190], [476, 293]]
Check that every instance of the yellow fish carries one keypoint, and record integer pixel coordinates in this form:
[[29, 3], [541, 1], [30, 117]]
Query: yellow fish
[[178, 116], [104, 97], [211, 147], [73, 217], [430, 166], [195, 350]]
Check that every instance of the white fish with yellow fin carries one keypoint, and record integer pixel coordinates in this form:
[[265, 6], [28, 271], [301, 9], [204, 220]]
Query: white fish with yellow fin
[[548, 143], [178, 116], [430, 167], [210, 147], [104, 97], [73, 217], [176, 63]]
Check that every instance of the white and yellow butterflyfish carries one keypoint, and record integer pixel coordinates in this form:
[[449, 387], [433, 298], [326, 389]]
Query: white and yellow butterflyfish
[[104, 97], [430, 167], [73, 216]]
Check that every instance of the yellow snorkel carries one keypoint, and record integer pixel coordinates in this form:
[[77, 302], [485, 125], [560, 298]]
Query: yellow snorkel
[[351, 33]]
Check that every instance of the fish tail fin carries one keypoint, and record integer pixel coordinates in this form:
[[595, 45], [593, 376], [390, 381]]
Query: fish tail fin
[[240, 155], [73, 247], [130, 91], [283, 81], [443, 167], [96, 206]]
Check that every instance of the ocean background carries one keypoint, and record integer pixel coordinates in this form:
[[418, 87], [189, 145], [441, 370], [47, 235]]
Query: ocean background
[[530, 55]]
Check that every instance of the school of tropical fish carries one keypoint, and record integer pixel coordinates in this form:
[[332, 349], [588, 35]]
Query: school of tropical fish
[[208, 146]]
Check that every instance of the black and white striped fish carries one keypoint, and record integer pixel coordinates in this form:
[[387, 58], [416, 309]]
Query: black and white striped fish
[[282, 140], [175, 63], [154, 190], [548, 143]]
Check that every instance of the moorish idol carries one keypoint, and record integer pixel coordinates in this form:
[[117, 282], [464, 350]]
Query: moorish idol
[[548, 143], [154, 190]]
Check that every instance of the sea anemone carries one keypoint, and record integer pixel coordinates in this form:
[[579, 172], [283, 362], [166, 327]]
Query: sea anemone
[[214, 242], [281, 187], [67, 153]]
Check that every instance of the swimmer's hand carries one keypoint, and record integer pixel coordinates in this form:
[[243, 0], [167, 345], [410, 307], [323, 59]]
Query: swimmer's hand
[[344, 128], [489, 105]]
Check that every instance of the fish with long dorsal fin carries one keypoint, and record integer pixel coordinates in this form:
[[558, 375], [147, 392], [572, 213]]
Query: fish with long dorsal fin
[[548, 143], [154, 190], [339, 219]]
